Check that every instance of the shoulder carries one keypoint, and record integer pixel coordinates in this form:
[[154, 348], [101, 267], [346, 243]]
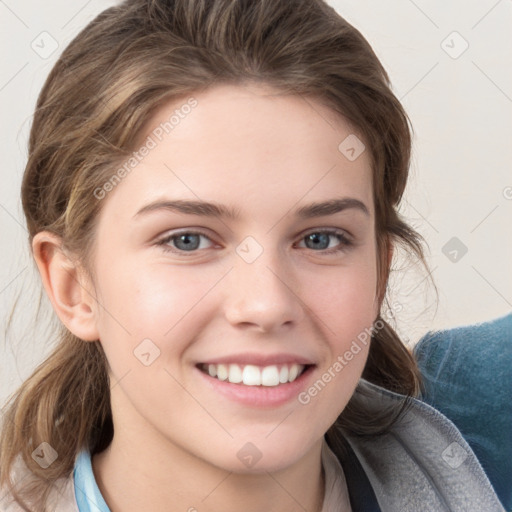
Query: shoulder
[[442, 351], [469, 363], [467, 375], [421, 463], [61, 497]]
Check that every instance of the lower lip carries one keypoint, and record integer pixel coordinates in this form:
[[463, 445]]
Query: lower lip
[[259, 396]]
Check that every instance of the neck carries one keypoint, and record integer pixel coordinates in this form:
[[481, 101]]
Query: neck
[[133, 476]]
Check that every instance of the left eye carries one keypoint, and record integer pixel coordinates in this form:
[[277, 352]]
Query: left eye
[[319, 241]]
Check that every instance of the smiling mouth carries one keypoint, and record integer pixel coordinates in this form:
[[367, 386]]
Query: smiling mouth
[[252, 375]]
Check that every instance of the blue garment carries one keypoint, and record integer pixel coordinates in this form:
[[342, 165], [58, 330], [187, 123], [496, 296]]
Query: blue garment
[[467, 373], [87, 493]]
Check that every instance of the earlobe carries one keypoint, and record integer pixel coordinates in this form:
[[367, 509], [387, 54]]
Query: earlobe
[[66, 286]]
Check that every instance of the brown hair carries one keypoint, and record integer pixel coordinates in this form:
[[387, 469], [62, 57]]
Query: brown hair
[[128, 61]]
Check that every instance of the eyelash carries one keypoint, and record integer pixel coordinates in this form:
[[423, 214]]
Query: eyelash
[[345, 242]]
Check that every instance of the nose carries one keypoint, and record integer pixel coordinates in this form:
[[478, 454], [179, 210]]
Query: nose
[[262, 295]]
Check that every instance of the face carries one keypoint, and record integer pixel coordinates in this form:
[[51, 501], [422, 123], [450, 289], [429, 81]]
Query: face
[[262, 288]]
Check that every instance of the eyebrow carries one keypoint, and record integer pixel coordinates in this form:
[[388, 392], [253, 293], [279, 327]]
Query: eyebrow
[[211, 209]]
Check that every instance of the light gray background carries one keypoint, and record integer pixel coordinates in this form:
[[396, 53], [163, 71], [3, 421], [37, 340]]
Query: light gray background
[[460, 104]]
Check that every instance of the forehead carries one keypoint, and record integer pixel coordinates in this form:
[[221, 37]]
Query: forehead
[[249, 147]]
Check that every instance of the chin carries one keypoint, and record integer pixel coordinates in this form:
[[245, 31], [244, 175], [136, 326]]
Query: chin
[[254, 455]]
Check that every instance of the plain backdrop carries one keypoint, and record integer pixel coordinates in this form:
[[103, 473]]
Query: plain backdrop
[[450, 64]]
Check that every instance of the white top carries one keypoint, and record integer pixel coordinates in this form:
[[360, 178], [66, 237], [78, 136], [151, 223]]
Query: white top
[[336, 493]]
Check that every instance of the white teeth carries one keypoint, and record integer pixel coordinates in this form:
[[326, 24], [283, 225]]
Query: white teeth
[[222, 372], [251, 375], [294, 371], [270, 376], [235, 374]]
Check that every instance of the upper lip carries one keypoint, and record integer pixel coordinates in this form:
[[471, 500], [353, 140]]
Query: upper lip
[[260, 359]]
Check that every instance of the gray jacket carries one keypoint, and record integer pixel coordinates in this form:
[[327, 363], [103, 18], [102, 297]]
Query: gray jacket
[[421, 465]]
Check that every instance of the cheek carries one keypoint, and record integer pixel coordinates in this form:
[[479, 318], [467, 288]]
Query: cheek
[[155, 302], [347, 315], [345, 300], [143, 297]]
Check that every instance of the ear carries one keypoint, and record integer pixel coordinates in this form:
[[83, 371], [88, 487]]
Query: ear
[[65, 283]]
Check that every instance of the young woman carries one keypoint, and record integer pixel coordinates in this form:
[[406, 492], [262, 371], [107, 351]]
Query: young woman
[[211, 196]]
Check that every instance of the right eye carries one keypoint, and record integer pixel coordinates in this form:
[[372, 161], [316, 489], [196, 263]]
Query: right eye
[[183, 242]]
